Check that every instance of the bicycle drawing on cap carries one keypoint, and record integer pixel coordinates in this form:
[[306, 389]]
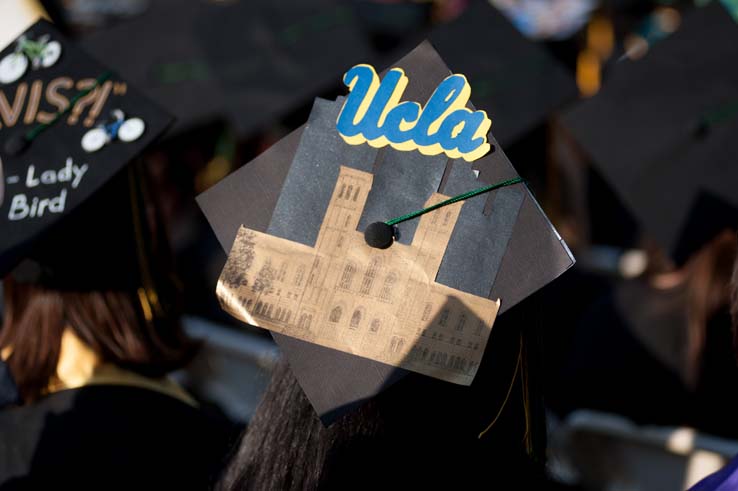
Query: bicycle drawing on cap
[[118, 127], [40, 53]]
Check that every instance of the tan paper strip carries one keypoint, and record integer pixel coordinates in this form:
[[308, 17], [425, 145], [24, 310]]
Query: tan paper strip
[[343, 294]]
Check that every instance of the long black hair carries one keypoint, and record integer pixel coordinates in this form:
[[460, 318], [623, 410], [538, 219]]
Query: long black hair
[[420, 432]]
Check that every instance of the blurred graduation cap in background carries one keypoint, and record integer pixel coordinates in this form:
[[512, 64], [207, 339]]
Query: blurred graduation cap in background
[[662, 132], [251, 62], [68, 125], [514, 79], [506, 252]]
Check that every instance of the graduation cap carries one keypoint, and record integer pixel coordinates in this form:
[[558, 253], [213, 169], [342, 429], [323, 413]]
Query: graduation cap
[[246, 61], [662, 130], [515, 80], [319, 194], [68, 125]]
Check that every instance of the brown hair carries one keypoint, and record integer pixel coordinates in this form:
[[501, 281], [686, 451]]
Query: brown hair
[[734, 304], [128, 314], [111, 323], [706, 278], [708, 292]]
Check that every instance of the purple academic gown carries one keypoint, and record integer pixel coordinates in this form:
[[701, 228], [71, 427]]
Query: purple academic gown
[[726, 479]]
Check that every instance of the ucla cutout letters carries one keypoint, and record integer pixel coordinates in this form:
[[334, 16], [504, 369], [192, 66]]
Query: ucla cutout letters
[[373, 114]]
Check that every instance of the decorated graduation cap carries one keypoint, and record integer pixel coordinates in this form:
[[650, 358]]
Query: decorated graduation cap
[[517, 81], [662, 132], [248, 61], [382, 237], [68, 125]]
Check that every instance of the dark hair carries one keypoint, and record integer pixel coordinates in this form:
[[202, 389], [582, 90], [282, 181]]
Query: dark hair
[[708, 292], [113, 287], [734, 303], [420, 431], [286, 445], [109, 322], [706, 278]]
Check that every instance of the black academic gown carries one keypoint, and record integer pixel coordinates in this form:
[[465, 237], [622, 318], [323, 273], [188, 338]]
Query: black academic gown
[[628, 357], [110, 437]]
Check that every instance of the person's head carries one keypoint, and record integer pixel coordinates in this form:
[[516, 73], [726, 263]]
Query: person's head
[[706, 277], [708, 289], [105, 274], [419, 432]]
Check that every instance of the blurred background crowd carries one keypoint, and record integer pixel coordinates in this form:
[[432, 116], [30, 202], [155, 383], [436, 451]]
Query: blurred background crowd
[[638, 367]]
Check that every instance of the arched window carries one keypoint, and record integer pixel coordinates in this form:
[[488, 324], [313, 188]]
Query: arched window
[[350, 190], [300, 275], [462, 321], [356, 193], [389, 284], [348, 276], [374, 327], [396, 344], [369, 275], [257, 310], [336, 314], [343, 188], [443, 320], [356, 319], [305, 320]]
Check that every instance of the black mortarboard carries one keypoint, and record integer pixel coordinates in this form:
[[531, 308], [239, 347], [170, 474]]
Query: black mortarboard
[[508, 253], [514, 79], [247, 61], [68, 126], [661, 131]]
